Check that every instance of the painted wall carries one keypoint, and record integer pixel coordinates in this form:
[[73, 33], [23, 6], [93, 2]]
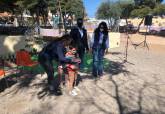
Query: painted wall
[[11, 44]]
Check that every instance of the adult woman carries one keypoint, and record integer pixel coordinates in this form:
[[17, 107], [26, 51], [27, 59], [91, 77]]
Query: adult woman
[[54, 51], [99, 43]]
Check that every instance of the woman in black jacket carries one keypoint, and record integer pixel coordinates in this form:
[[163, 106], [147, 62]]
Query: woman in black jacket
[[55, 51]]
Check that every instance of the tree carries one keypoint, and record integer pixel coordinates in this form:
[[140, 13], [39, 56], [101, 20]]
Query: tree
[[103, 11], [68, 7], [27, 4], [159, 9], [130, 9], [8, 5], [109, 11], [36, 7], [140, 8], [127, 6], [71, 8], [75, 7], [52, 5]]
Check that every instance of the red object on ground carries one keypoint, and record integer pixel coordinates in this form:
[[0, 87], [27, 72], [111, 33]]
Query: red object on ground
[[23, 58], [2, 72]]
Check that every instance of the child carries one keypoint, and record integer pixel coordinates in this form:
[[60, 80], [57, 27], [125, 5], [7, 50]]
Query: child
[[72, 69]]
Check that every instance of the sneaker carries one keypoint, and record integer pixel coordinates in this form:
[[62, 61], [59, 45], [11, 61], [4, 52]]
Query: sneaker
[[76, 89], [73, 93]]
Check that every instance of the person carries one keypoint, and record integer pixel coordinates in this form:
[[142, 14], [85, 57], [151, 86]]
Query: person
[[54, 51], [55, 21], [72, 70], [79, 35], [99, 43]]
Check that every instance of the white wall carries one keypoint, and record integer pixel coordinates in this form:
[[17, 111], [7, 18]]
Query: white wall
[[114, 39], [11, 44]]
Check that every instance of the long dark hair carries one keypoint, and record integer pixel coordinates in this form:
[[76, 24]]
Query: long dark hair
[[105, 27]]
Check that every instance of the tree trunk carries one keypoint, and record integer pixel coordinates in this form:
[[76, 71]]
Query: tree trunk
[[115, 25], [111, 24], [38, 20], [61, 17], [21, 19], [71, 20], [65, 19]]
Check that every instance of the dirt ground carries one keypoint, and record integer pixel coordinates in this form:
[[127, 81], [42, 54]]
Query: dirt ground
[[134, 87]]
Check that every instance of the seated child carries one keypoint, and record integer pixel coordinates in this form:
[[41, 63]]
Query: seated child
[[72, 70]]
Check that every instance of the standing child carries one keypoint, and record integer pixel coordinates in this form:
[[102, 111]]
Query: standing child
[[72, 70]]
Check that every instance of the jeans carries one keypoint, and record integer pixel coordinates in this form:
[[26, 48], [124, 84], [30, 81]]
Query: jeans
[[98, 54]]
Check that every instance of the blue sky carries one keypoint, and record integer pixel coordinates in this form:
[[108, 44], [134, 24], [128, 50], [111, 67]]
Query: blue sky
[[92, 5]]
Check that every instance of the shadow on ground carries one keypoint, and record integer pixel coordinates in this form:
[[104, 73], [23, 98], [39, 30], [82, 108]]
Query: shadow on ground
[[23, 77], [112, 67], [26, 78], [131, 94]]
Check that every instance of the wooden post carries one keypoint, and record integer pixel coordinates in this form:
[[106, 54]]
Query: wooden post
[[61, 19]]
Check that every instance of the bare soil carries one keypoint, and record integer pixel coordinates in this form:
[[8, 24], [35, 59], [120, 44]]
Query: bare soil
[[134, 87]]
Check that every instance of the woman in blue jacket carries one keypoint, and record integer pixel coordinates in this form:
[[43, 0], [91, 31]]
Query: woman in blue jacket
[[99, 44]]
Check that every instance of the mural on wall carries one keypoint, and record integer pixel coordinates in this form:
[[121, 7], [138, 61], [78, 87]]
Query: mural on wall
[[11, 44]]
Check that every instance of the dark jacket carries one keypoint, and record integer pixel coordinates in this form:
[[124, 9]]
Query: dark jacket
[[54, 51], [77, 40], [96, 41]]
